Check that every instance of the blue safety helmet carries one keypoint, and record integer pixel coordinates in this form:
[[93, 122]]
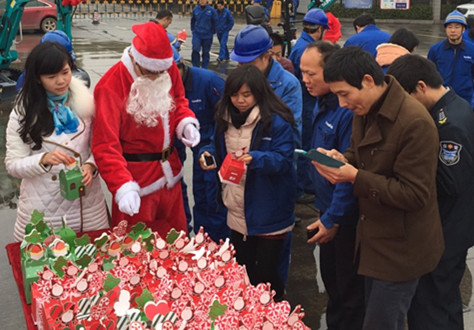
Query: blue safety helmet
[[317, 17], [61, 38], [251, 42], [455, 17]]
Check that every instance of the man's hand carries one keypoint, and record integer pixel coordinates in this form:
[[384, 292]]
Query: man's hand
[[345, 173], [130, 203], [191, 136], [324, 235]]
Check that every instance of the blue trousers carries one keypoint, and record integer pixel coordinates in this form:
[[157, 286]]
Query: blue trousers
[[387, 303], [223, 50], [199, 43]]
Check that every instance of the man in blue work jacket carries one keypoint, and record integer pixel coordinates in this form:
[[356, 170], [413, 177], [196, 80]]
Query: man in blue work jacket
[[437, 304], [315, 23], [203, 89], [368, 36], [454, 58], [332, 128], [251, 46], [203, 27], [225, 22]]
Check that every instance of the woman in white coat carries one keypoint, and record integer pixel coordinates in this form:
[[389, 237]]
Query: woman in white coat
[[49, 128]]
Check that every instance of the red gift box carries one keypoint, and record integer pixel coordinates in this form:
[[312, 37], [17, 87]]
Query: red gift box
[[231, 170]]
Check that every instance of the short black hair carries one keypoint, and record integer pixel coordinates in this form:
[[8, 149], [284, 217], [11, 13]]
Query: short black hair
[[363, 20], [221, 2], [405, 38], [409, 69], [277, 39], [351, 64], [164, 13], [325, 47]]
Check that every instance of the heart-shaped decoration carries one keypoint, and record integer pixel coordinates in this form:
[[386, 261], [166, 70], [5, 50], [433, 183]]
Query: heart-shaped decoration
[[151, 309]]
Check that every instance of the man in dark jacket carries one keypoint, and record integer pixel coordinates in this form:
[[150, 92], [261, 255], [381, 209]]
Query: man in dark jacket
[[332, 127], [392, 163], [437, 304]]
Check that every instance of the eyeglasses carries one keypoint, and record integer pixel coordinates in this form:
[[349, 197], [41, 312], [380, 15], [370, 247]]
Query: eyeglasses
[[145, 72]]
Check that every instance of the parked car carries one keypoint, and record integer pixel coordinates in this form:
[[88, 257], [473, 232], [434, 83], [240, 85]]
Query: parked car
[[466, 9], [39, 15]]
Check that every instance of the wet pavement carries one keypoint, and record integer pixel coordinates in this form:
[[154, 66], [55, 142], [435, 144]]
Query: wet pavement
[[98, 47]]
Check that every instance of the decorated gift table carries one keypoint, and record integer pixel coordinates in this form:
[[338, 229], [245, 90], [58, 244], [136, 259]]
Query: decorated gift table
[[131, 278]]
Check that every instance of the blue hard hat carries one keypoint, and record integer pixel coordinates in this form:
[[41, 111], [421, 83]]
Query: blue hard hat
[[455, 17], [317, 17], [251, 42], [61, 38]]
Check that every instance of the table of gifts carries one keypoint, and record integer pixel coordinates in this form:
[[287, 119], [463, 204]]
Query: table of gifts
[[131, 278]]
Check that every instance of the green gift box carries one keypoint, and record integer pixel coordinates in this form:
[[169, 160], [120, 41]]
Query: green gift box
[[71, 185]]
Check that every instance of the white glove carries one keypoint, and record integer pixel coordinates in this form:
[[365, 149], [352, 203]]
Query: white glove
[[191, 136], [130, 203]]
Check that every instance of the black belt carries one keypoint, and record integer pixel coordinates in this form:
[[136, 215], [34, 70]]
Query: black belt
[[148, 157]]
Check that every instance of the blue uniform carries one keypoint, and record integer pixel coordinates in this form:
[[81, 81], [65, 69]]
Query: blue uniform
[[225, 22], [332, 129], [368, 39], [271, 181], [288, 89], [203, 89], [304, 165], [456, 65], [203, 27]]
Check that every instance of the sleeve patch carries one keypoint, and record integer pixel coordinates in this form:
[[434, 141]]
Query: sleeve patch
[[449, 152]]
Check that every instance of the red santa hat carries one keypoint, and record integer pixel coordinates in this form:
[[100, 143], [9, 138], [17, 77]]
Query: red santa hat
[[151, 48]]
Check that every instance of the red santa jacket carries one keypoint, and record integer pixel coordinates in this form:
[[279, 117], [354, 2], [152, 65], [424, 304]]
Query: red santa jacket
[[115, 132]]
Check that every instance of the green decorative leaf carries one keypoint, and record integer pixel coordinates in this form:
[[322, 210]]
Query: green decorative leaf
[[84, 261], [145, 297], [68, 235], [149, 242], [139, 230], [100, 241], [29, 228], [37, 216], [33, 237], [42, 227], [58, 266], [110, 282], [216, 309], [108, 263], [83, 240], [172, 236]]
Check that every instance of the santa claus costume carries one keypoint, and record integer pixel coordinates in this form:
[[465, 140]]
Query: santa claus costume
[[133, 137]]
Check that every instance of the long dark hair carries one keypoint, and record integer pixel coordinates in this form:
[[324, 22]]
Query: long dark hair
[[46, 58], [267, 101]]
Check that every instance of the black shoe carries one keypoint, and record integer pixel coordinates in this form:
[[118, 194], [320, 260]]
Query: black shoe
[[305, 199], [219, 60]]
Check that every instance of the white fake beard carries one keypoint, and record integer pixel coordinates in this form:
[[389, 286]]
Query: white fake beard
[[149, 99]]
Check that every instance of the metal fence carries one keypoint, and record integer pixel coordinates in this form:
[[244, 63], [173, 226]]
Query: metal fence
[[145, 8]]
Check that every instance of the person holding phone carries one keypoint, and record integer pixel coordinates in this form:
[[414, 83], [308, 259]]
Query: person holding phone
[[260, 207]]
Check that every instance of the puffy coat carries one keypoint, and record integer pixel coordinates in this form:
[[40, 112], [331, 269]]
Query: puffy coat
[[40, 185]]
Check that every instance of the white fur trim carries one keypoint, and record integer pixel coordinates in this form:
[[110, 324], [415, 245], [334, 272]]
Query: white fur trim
[[81, 100], [152, 64], [127, 62], [182, 124], [166, 130], [160, 183], [125, 188]]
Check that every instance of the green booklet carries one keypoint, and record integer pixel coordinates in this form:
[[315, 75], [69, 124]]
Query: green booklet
[[319, 157]]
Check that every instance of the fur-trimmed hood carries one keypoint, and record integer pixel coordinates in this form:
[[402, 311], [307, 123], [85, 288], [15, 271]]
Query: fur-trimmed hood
[[81, 100]]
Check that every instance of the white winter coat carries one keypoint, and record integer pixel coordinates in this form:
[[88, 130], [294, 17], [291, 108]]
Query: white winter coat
[[40, 185]]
